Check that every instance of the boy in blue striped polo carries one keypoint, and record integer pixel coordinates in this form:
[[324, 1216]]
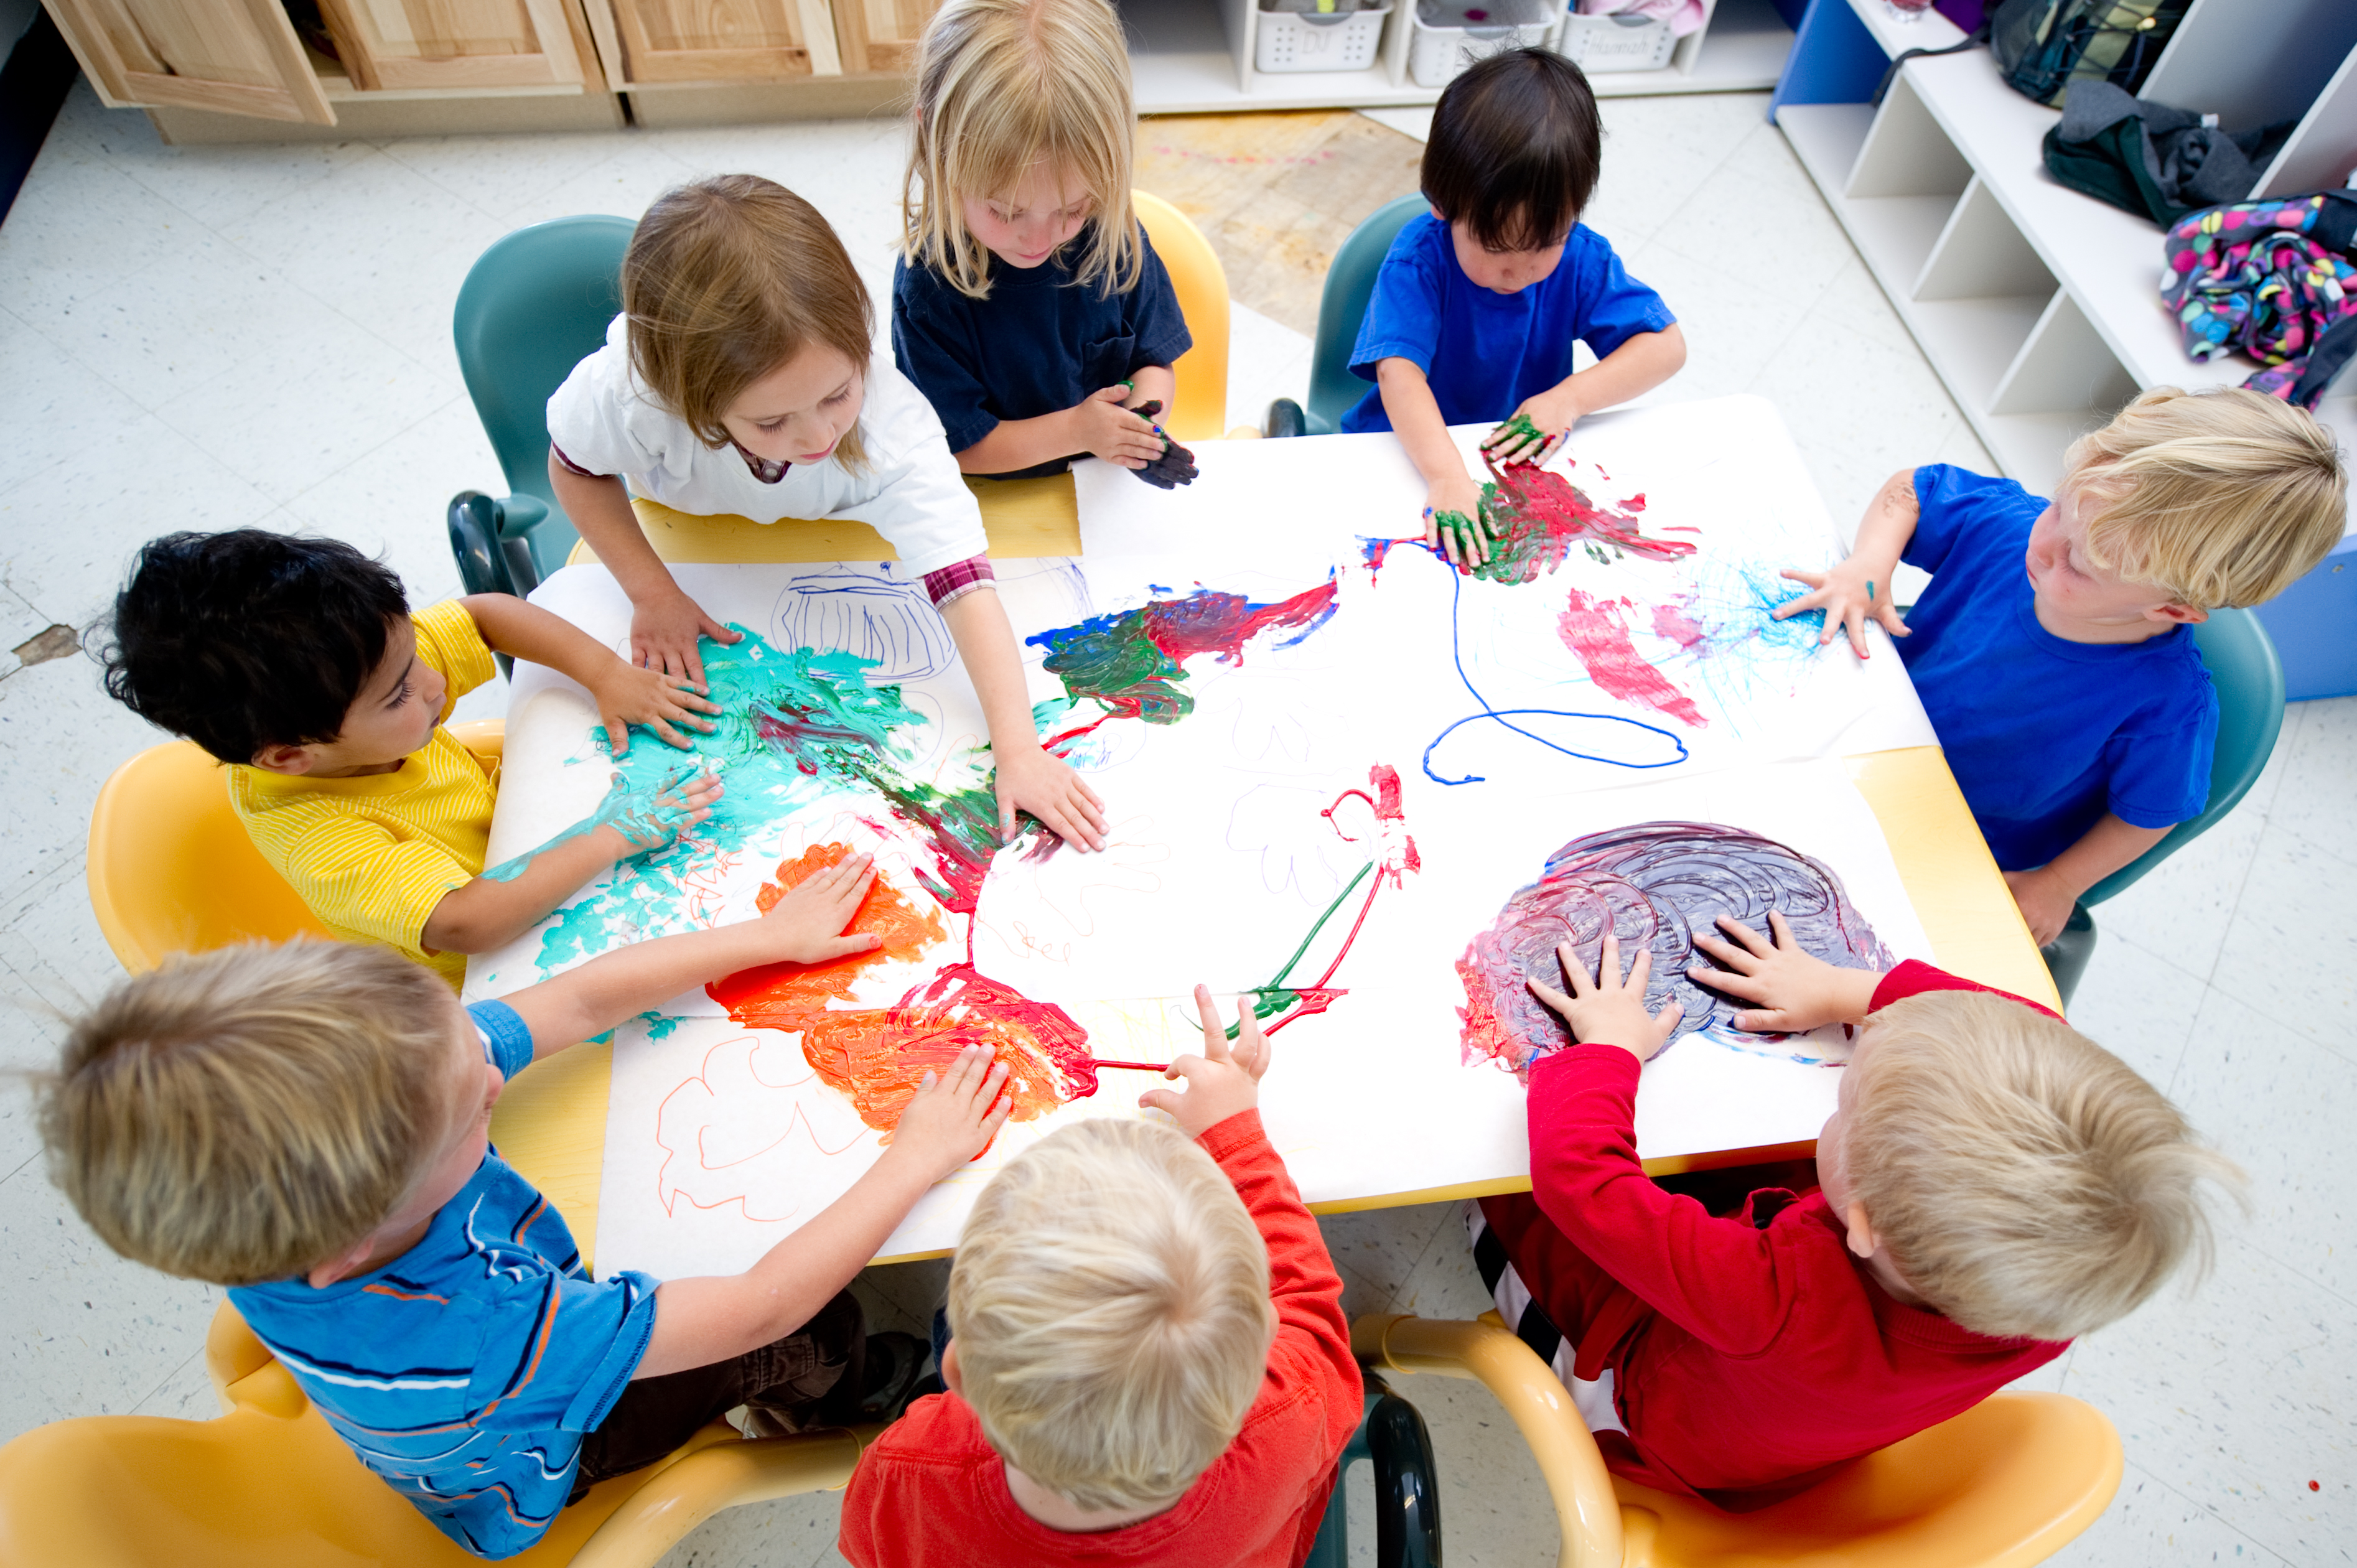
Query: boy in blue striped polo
[[308, 1124]]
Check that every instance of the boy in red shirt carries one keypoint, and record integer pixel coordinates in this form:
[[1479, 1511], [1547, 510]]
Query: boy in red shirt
[[1149, 1361], [1992, 1185]]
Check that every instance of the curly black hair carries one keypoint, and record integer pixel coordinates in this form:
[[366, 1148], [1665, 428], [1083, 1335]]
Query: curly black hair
[[1515, 147], [249, 639]]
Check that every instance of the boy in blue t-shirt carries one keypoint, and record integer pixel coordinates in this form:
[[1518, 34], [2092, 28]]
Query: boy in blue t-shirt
[[308, 1126], [2053, 649], [1478, 306]]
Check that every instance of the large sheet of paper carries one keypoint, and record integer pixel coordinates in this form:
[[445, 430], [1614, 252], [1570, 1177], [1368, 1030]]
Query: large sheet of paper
[[1334, 784]]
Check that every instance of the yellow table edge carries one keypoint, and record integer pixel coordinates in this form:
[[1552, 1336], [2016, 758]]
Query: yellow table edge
[[551, 1123]]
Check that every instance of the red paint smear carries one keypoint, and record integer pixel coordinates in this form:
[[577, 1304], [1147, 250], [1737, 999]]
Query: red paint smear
[[1634, 503], [1674, 623], [1222, 623], [1535, 515], [1598, 633]]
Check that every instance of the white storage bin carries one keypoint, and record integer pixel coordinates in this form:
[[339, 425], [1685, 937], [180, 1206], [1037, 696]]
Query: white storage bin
[[1452, 34], [1340, 41], [1616, 43]]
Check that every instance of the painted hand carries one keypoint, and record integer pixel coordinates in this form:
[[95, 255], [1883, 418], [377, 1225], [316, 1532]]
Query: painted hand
[[1176, 467], [2046, 901], [1850, 595], [1791, 990], [1031, 779], [1222, 1082], [628, 694], [1535, 432], [646, 820], [1453, 524], [806, 925], [954, 1117], [1610, 1009], [663, 634], [1115, 433]]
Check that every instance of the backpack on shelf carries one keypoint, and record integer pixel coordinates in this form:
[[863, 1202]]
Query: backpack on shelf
[[2152, 160], [2276, 279], [2043, 46]]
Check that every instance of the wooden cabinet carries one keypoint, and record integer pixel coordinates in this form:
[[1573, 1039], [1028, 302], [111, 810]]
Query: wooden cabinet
[[880, 35], [406, 44], [232, 57], [716, 40]]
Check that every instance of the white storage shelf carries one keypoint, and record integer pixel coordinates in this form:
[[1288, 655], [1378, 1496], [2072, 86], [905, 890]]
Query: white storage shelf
[[2039, 306], [1195, 57]]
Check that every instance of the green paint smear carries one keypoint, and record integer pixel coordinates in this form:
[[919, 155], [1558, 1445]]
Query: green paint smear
[[1519, 425]]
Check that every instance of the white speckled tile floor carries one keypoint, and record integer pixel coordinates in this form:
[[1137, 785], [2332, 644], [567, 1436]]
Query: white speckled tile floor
[[220, 335]]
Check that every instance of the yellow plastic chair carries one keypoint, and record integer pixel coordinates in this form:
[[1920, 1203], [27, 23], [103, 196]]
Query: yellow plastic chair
[[171, 869], [1201, 285], [270, 1484], [2007, 1484]]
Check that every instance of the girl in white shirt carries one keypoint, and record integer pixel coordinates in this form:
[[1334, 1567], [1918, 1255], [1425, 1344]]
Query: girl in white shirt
[[740, 378]]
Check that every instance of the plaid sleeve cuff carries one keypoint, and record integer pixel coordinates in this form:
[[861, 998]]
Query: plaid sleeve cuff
[[559, 452], [959, 579]]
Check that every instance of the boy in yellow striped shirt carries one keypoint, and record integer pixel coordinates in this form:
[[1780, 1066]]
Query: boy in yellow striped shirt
[[297, 662]]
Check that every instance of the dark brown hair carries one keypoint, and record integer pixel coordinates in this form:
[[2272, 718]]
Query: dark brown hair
[[726, 279], [1515, 146]]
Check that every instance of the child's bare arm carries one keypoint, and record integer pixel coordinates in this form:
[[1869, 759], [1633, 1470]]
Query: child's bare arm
[[1633, 370], [1452, 500], [707, 1319], [1789, 989], [1098, 425], [1026, 776], [1860, 585], [803, 927], [2046, 893], [625, 693], [664, 622], [509, 900]]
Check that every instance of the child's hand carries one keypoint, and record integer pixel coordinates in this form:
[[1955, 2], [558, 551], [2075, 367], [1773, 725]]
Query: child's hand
[[1793, 990], [1114, 433], [1610, 1010], [663, 634], [1223, 1081], [2045, 900], [1030, 778], [954, 1117], [646, 820], [1536, 431], [1176, 467], [627, 694], [1452, 519], [1850, 594], [806, 925]]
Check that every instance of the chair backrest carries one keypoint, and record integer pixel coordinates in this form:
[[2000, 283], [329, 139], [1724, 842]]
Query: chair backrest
[[1349, 284], [2250, 682], [1201, 285], [533, 305]]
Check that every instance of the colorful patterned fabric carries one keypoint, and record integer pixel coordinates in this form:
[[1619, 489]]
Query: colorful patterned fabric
[[959, 579], [2276, 279]]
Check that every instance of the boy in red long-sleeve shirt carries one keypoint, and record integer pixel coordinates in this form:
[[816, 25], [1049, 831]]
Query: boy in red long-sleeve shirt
[[1149, 1362], [1992, 1185]]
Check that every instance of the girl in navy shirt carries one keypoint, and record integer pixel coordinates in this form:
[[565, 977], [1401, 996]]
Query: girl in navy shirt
[[1029, 305]]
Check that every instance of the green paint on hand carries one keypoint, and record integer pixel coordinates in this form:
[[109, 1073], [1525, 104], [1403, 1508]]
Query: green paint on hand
[[1519, 427], [1869, 590]]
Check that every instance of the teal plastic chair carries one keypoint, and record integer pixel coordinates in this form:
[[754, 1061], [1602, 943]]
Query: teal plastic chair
[[533, 305], [1349, 284], [1392, 1437], [2250, 682]]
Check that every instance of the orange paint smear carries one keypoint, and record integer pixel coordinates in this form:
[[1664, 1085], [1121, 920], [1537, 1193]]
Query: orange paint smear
[[786, 995], [878, 1058]]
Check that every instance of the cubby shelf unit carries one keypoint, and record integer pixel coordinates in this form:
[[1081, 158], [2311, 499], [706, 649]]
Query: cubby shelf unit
[[1191, 57]]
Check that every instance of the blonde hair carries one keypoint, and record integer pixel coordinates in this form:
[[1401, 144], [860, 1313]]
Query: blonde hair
[[2025, 1180], [1004, 84], [726, 279], [1110, 1301], [2216, 498], [247, 1114]]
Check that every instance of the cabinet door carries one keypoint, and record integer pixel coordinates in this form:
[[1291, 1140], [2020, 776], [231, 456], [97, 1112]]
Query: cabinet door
[[232, 57], [725, 40], [881, 35], [410, 44]]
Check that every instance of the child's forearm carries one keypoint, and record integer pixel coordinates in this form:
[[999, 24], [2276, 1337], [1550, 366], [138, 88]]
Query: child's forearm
[[707, 1319], [528, 632], [1632, 371], [1415, 420], [1889, 524], [985, 643], [509, 901], [1016, 444], [625, 982], [2110, 845], [600, 510]]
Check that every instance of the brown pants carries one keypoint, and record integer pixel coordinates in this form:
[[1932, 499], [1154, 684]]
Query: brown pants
[[812, 1378]]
